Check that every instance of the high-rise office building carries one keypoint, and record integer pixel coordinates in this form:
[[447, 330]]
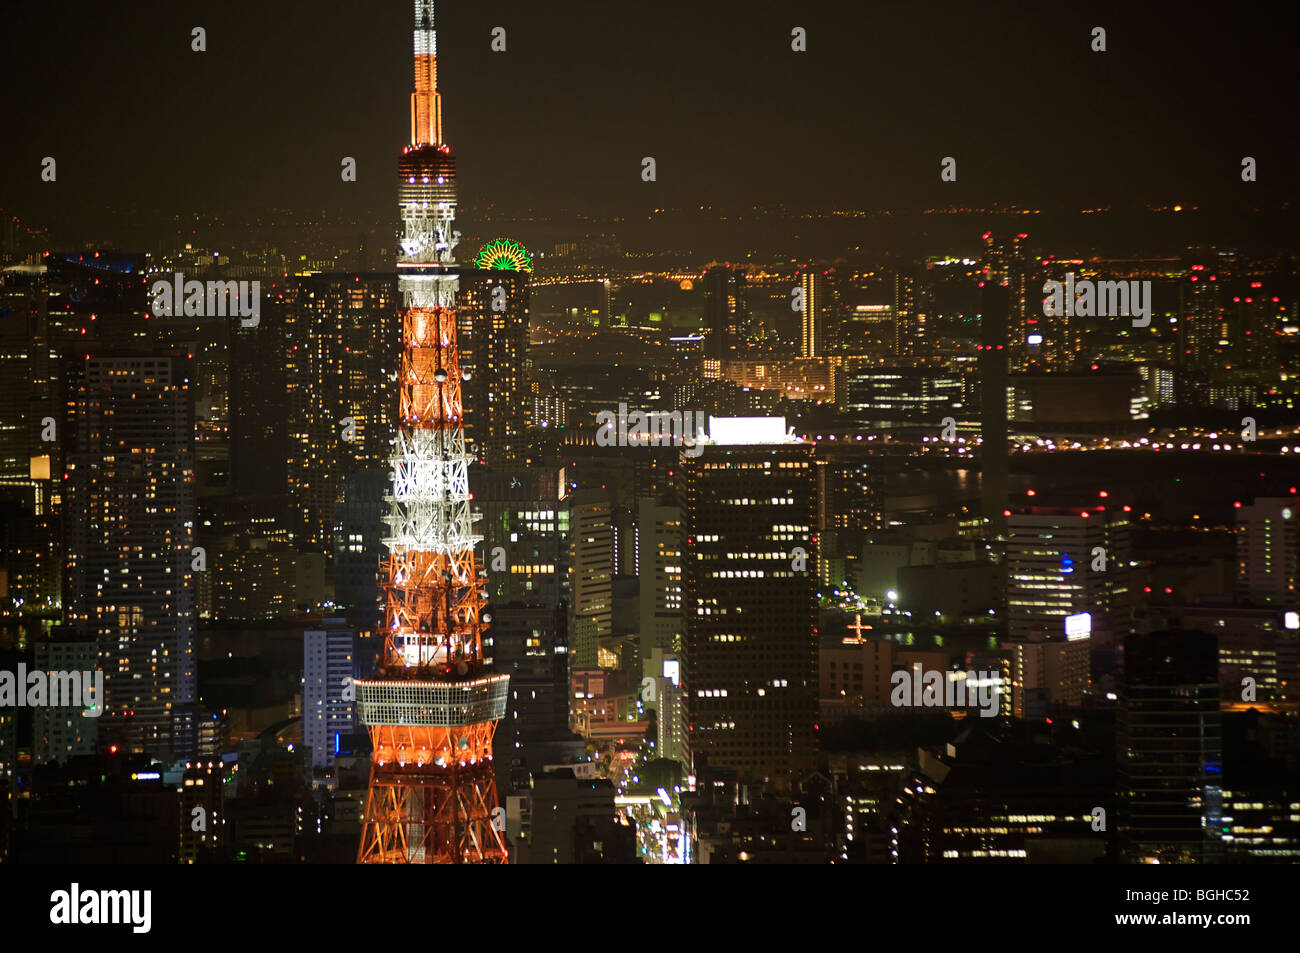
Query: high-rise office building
[[30, 548], [1204, 333], [1048, 674], [328, 667], [1170, 749], [492, 305], [816, 319], [129, 529], [1007, 263], [1256, 317], [340, 347], [49, 307], [592, 564], [25, 301], [359, 531], [749, 659], [994, 452], [529, 643], [1051, 554], [1268, 550], [1058, 343], [726, 311], [201, 788], [885, 396], [8, 760], [909, 319], [259, 451], [60, 733], [664, 669], [849, 490], [207, 341], [659, 568], [989, 796], [525, 533], [574, 821]]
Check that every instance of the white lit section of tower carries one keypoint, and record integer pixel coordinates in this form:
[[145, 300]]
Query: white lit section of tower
[[430, 510]]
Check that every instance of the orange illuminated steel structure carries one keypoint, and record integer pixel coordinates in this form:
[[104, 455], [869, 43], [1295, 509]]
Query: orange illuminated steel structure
[[432, 706], [426, 104]]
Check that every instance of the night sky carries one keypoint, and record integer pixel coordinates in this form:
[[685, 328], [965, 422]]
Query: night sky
[[559, 122]]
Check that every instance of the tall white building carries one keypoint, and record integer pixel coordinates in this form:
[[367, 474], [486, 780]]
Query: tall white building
[[1055, 560], [327, 693], [1267, 543]]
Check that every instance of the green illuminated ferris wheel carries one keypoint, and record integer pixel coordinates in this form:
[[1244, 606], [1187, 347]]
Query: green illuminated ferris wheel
[[505, 254]]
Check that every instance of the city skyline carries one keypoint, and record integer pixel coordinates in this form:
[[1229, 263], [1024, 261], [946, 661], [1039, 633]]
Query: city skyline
[[762, 435]]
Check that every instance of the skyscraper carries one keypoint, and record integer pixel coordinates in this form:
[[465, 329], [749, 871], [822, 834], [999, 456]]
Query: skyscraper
[[129, 528], [49, 307], [492, 306], [529, 643], [64, 732], [1268, 550], [1170, 749], [1203, 328], [726, 311], [849, 486], [1063, 561], [359, 530], [328, 668], [909, 323], [1007, 263], [1256, 317], [994, 453], [259, 452], [749, 661], [659, 566], [340, 354], [817, 312], [525, 533], [593, 564], [433, 705]]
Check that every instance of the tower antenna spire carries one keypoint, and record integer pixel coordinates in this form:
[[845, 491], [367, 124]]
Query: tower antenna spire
[[426, 104]]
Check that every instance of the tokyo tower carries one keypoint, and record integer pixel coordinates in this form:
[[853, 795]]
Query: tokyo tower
[[432, 707]]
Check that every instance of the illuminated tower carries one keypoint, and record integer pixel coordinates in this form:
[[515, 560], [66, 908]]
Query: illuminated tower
[[432, 706]]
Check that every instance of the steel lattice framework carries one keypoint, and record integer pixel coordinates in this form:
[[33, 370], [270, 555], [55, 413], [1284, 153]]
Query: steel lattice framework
[[432, 707]]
